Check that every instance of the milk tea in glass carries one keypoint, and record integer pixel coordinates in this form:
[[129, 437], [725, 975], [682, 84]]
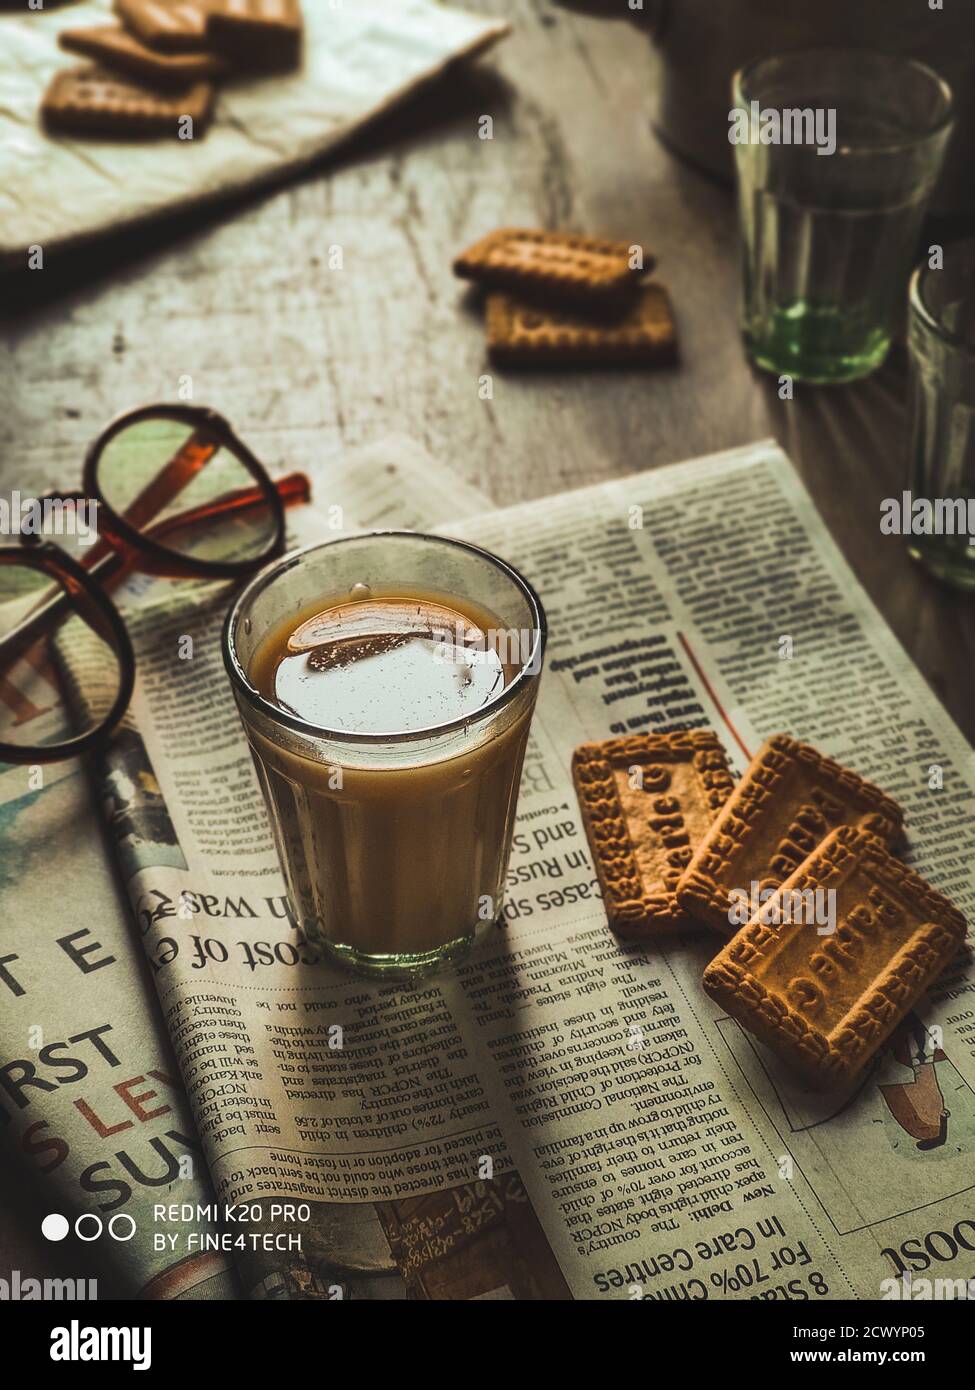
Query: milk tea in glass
[[386, 683]]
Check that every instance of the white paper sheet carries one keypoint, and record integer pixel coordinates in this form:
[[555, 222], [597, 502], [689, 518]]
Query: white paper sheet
[[360, 58]]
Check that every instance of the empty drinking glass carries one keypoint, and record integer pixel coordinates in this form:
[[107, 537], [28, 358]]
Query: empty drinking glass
[[941, 338], [837, 152]]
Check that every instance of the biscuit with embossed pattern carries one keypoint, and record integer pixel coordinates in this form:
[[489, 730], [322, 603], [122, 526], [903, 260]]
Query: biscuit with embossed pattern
[[257, 33], [528, 335], [827, 1001], [560, 265], [117, 49], [786, 804], [646, 800], [170, 25], [91, 101]]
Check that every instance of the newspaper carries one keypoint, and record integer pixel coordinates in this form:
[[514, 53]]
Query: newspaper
[[667, 1153], [561, 1115], [93, 1115]]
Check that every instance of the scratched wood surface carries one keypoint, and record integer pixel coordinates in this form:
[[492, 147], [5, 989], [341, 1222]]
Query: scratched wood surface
[[304, 358]]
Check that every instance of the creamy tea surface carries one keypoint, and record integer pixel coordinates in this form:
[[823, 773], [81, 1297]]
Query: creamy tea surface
[[399, 849], [384, 665]]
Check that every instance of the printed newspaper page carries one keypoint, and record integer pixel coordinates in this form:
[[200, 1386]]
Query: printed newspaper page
[[92, 1111], [346, 1128], [576, 1114], [92, 1108], [668, 1155]]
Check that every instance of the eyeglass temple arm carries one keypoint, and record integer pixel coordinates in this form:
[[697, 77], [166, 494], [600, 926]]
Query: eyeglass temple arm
[[160, 490], [178, 473], [47, 616], [293, 489], [111, 566]]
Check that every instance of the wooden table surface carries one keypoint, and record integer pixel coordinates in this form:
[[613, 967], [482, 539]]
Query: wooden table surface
[[303, 358]]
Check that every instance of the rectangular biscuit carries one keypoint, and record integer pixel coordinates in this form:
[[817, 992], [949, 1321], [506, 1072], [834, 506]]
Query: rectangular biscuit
[[169, 25], [257, 33], [563, 266], [528, 335], [825, 1002], [646, 801], [91, 101], [114, 47], [788, 801]]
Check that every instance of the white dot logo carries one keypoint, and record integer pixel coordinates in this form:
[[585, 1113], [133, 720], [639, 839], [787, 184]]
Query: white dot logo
[[55, 1226], [96, 1228], [88, 1226], [122, 1216]]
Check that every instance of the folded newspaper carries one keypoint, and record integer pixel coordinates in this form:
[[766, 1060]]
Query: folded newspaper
[[561, 1115]]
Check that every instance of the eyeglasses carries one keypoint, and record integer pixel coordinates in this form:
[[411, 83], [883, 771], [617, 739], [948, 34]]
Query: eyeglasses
[[176, 494]]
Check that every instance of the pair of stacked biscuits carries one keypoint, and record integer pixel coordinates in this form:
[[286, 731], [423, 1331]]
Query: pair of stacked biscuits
[[559, 299], [153, 73], [831, 940]]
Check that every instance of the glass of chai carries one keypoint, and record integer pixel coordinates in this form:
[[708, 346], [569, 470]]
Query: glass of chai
[[386, 682]]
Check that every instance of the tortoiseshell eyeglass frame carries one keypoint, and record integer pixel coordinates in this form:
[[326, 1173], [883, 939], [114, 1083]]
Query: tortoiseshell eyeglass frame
[[133, 540]]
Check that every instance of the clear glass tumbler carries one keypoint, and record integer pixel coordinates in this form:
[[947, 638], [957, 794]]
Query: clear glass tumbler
[[394, 841], [941, 340], [837, 152]]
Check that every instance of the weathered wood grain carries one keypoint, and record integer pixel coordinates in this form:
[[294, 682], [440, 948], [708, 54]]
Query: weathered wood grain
[[305, 358]]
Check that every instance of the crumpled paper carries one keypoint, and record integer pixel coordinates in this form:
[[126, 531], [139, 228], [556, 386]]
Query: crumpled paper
[[360, 58]]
